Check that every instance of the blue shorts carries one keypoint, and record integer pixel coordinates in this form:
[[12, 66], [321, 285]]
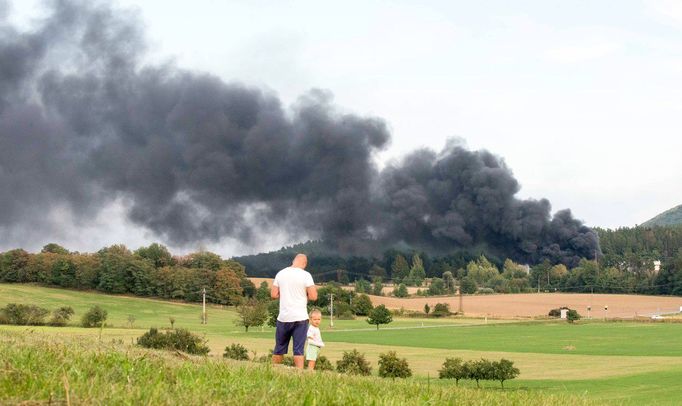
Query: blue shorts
[[285, 331]]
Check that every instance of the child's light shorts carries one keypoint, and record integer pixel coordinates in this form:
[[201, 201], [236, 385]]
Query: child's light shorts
[[311, 352]]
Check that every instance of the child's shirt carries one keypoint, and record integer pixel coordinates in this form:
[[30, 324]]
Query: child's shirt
[[314, 336]]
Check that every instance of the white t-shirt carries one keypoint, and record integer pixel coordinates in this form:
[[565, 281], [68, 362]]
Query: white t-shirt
[[293, 297], [314, 336]]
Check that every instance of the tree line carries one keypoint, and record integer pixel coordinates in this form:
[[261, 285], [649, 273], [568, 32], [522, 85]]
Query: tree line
[[148, 271], [626, 264]]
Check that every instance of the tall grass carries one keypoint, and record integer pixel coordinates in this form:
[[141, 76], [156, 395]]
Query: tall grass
[[44, 369]]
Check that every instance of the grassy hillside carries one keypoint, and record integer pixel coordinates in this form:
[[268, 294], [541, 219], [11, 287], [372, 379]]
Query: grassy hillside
[[629, 363], [86, 372], [667, 218]]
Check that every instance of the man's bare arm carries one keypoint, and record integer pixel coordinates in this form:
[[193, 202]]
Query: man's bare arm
[[274, 292], [312, 293]]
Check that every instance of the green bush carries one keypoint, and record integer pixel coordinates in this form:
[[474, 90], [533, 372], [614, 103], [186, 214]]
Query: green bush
[[400, 291], [572, 316], [437, 287], [441, 310], [323, 364], [23, 315], [485, 291], [180, 339], [454, 368], [288, 361], [95, 317], [362, 305], [61, 316], [390, 366], [504, 370], [555, 313], [379, 315], [353, 363], [346, 315], [480, 370], [469, 285], [236, 351]]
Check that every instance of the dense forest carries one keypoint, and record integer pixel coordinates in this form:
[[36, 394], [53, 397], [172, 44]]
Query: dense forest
[[632, 260]]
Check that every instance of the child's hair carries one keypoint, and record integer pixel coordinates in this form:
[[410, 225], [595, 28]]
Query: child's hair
[[315, 311]]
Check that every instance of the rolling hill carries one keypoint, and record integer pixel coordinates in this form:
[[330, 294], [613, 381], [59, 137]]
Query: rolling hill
[[670, 217]]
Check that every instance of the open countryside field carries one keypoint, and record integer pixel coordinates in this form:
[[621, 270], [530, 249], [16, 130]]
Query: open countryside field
[[534, 304], [629, 362], [539, 304]]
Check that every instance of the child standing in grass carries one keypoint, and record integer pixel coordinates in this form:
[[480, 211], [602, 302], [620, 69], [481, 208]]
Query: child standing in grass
[[314, 338]]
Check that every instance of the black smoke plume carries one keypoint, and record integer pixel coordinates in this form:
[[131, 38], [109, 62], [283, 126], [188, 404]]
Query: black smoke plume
[[84, 122]]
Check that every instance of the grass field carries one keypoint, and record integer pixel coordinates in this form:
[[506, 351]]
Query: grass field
[[628, 363], [43, 370]]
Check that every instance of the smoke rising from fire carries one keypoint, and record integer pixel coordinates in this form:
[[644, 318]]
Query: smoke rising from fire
[[84, 121]]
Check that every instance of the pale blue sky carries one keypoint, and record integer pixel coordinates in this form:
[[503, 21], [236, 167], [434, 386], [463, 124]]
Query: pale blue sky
[[583, 99]]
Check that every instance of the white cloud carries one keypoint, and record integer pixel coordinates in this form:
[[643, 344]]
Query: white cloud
[[583, 51], [665, 11]]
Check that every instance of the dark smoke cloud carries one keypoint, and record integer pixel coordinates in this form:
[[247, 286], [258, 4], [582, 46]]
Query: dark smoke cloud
[[462, 198], [83, 122]]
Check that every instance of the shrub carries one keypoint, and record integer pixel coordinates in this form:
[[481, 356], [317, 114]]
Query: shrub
[[343, 310], [288, 361], [362, 286], [400, 291], [362, 305], [437, 287], [273, 313], [441, 310], [390, 366], [251, 314], [480, 370], [24, 315], [346, 315], [236, 351], [454, 368], [180, 339], [555, 313], [572, 315], [353, 363], [94, 317], [379, 315], [469, 285], [485, 291], [323, 364], [61, 316], [504, 370]]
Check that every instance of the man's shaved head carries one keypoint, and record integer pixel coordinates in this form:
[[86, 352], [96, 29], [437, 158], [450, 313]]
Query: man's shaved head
[[300, 261]]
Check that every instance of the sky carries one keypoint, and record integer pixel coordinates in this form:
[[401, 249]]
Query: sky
[[582, 99]]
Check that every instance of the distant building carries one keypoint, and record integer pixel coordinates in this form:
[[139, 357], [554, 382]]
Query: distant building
[[657, 266]]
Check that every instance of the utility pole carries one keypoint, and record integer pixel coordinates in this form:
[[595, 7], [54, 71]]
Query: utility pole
[[538, 283], [331, 310], [203, 310], [461, 309]]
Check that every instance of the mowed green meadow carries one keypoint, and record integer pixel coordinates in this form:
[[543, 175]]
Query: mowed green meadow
[[612, 362]]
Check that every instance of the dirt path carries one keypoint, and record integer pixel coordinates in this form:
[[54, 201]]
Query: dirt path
[[539, 304]]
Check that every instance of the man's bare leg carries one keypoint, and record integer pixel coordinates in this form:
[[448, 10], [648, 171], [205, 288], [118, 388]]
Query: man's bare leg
[[298, 361], [277, 359], [311, 365]]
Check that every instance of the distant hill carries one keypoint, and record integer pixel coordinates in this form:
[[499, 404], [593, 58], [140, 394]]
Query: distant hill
[[670, 217]]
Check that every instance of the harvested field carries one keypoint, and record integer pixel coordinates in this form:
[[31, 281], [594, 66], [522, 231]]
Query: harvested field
[[539, 304]]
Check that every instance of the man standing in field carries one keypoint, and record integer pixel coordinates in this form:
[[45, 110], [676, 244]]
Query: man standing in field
[[293, 286]]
